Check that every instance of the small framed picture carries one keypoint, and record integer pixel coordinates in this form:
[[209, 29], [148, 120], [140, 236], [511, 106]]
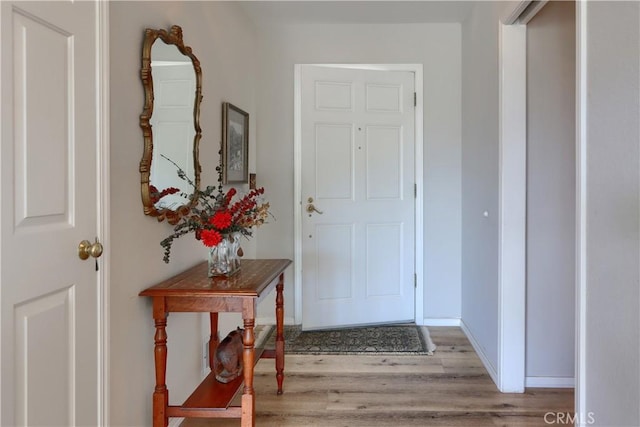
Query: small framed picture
[[235, 144]]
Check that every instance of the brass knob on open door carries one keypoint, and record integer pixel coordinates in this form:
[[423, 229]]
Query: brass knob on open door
[[87, 249], [311, 209]]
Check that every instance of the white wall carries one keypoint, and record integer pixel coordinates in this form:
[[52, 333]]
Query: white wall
[[551, 186], [222, 39], [612, 352], [437, 47], [480, 178]]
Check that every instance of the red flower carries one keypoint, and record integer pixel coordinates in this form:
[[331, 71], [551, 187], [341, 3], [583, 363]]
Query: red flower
[[210, 238], [221, 220]]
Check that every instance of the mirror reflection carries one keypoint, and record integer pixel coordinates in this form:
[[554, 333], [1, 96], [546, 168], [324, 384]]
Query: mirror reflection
[[174, 82], [171, 77]]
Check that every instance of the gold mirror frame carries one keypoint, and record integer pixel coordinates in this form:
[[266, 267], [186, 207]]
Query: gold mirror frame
[[173, 37]]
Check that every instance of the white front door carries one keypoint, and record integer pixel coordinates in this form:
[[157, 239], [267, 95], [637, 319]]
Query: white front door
[[49, 297], [358, 173]]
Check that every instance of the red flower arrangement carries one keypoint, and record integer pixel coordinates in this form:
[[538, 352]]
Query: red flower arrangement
[[216, 215], [241, 216]]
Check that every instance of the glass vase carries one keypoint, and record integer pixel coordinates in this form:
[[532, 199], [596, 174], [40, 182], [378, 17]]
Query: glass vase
[[223, 258]]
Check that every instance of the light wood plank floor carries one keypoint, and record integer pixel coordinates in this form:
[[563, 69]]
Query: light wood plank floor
[[451, 388]]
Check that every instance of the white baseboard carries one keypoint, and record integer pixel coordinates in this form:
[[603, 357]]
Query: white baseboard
[[272, 321], [441, 321], [550, 382], [481, 354]]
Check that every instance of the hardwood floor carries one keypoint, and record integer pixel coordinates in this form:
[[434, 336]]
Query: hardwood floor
[[451, 388]]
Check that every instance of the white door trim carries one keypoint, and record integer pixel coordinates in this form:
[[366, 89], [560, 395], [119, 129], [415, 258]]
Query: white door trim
[[104, 203], [580, 391], [511, 337], [297, 198], [512, 205]]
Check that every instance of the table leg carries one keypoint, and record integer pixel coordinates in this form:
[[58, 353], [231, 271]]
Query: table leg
[[280, 332], [248, 393], [214, 339], [160, 394]]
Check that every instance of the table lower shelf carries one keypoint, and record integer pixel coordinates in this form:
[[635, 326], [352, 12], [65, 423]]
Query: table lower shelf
[[212, 398]]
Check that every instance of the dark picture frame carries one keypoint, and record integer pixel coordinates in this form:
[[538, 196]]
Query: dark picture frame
[[235, 144]]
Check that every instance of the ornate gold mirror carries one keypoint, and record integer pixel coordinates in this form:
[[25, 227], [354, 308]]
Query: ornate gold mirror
[[170, 124]]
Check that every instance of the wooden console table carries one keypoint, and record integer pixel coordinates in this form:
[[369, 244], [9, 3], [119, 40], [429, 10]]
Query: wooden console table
[[193, 291]]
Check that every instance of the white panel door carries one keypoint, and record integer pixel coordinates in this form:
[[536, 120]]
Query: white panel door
[[358, 173], [49, 297]]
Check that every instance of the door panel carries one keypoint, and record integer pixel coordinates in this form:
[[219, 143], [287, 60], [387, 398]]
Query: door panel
[[384, 98], [47, 322], [383, 264], [49, 297], [358, 174], [334, 260], [384, 164], [334, 161], [42, 137]]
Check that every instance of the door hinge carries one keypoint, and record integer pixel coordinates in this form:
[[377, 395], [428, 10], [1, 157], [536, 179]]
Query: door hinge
[[415, 191], [415, 99], [415, 280]]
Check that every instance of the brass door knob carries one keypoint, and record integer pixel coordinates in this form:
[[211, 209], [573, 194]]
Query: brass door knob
[[311, 209], [87, 249]]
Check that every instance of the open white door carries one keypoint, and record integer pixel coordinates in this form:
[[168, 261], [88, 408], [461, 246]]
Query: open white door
[[358, 196], [50, 312]]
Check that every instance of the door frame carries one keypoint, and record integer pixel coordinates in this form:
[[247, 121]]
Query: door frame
[[512, 286], [416, 69], [510, 375], [103, 175]]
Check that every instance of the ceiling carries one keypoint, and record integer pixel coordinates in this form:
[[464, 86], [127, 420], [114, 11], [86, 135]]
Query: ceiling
[[356, 12]]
